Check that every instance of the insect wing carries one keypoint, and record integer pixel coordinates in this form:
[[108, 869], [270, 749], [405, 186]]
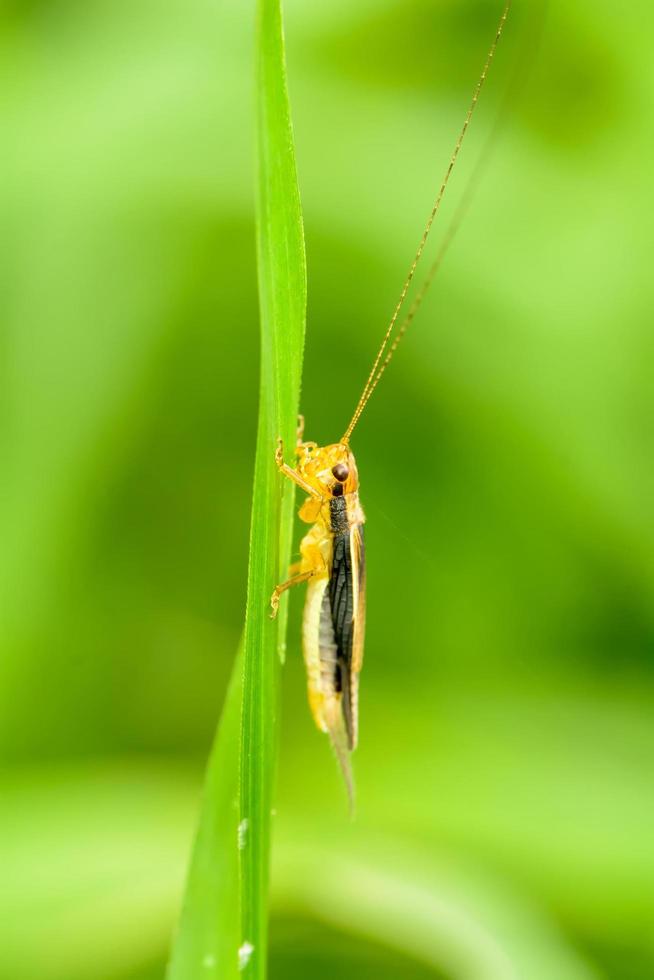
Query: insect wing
[[359, 624], [347, 599]]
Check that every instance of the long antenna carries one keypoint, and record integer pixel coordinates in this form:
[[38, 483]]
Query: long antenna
[[524, 63], [376, 372]]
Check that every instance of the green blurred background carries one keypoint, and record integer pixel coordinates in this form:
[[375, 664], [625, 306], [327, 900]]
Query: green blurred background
[[505, 773]]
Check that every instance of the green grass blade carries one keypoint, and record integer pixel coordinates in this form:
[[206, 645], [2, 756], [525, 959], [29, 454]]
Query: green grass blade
[[282, 289], [236, 810], [209, 929]]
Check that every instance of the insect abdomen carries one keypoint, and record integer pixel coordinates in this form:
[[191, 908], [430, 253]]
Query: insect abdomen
[[327, 647]]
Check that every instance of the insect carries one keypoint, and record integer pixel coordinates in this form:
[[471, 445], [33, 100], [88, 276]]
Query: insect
[[332, 552]]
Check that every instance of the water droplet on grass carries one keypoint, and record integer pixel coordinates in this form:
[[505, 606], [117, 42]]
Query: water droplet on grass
[[244, 954]]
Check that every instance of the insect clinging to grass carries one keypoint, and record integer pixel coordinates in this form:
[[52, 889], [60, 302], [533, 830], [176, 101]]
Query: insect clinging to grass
[[332, 552]]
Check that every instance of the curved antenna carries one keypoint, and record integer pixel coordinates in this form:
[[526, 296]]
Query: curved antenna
[[373, 377], [523, 65]]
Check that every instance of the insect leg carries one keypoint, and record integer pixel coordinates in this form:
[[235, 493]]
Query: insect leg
[[292, 474], [295, 580], [300, 428]]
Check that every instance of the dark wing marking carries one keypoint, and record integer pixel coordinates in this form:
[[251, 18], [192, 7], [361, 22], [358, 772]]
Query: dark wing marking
[[341, 597]]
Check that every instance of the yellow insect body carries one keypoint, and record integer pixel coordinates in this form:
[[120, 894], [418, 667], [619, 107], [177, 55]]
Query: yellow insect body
[[333, 564]]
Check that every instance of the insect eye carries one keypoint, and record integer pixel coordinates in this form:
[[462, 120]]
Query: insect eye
[[341, 472]]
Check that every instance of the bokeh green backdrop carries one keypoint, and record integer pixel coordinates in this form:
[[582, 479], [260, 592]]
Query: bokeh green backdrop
[[506, 799]]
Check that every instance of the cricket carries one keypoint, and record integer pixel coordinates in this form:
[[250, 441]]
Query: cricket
[[332, 562]]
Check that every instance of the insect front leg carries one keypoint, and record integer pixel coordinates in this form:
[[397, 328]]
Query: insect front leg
[[292, 474], [300, 445]]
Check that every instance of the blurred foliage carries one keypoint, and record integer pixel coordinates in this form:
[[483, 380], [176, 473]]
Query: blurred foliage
[[505, 768]]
